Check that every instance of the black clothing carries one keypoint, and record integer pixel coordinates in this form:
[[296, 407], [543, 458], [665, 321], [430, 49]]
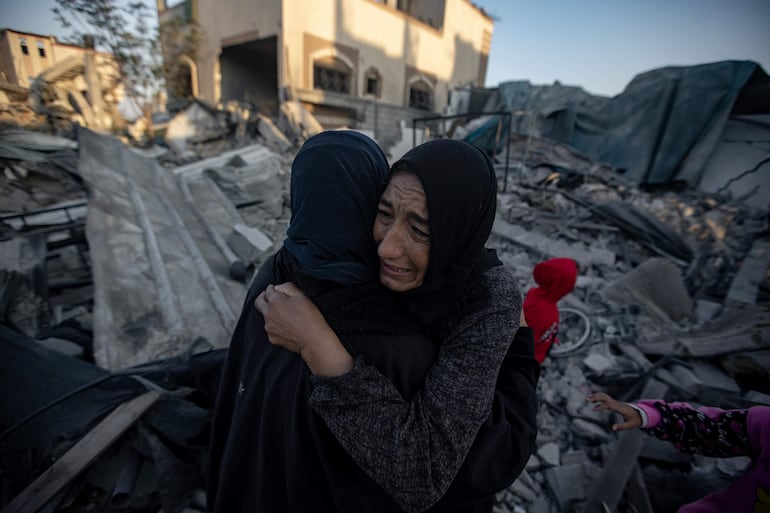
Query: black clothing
[[461, 195], [271, 452], [336, 181]]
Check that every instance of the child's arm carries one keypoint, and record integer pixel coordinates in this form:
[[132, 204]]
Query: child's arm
[[706, 430]]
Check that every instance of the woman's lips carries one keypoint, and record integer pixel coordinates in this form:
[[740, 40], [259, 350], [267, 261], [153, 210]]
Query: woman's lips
[[394, 270]]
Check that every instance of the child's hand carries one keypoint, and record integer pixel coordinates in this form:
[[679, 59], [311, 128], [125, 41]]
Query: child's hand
[[630, 415]]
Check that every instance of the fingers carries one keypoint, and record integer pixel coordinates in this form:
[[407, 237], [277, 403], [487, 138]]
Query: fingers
[[288, 289], [261, 303], [605, 402], [598, 396], [622, 426]]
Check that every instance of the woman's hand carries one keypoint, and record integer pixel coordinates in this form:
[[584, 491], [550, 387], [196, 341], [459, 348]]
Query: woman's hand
[[630, 415], [293, 322]]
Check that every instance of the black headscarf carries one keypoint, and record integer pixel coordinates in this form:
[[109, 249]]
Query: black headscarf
[[336, 181], [461, 194]]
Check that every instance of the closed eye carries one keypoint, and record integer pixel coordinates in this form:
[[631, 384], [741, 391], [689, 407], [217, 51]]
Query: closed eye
[[420, 232]]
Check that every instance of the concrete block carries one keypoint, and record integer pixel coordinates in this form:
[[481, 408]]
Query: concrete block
[[685, 378], [549, 453], [598, 363], [716, 384], [660, 450], [590, 430], [523, 491], [568, 484], [248, 243], [656, 285], [572, 457], [533, 463]]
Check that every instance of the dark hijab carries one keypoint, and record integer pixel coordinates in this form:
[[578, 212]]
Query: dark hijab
[[461, 194], [336, 181]]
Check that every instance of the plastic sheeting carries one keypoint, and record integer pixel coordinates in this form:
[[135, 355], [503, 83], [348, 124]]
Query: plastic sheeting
[[49, 401], [662, 128]]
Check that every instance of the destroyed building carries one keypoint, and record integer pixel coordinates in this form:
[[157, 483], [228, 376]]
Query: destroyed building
[[363, 64], [135, 265], [64, 83]]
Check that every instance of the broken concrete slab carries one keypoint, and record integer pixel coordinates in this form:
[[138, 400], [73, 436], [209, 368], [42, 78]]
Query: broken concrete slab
[[549, 453], [551, 248], [146, 244], [272, 133], [657, 286], [568, 483], [716, 384], [753, 270], [608, 488], [748, 366], [598, 363], [299, 120], [740, 327], [590, 431], [249, 243], [198, 122], [23, 287], [663, 451]]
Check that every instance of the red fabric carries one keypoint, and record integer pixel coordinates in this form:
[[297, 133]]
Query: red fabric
[[556, 278]]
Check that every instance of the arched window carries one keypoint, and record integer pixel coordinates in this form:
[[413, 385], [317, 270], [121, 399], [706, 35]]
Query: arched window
[[421, 95], [372, 82], [186, 78], [331, 74]]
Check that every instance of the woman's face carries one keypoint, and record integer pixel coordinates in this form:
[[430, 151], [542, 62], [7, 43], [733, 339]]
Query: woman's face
[[402, 234]]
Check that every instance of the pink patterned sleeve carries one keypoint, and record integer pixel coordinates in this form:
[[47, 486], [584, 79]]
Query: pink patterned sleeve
[[706, 430]]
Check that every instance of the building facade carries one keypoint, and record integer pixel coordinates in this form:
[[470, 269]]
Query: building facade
[[24, 56], [347, 61], [62, 80]]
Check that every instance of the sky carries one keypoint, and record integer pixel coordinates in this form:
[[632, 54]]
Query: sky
[[599, 45]]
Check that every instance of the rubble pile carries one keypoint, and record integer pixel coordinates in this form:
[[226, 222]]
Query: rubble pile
[[658, 275], [123, 269]]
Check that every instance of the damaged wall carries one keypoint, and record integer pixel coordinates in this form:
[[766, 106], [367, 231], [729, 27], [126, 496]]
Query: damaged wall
[[376, 53]]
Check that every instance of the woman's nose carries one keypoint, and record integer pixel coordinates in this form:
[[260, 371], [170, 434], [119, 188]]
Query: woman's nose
[[391, 245]]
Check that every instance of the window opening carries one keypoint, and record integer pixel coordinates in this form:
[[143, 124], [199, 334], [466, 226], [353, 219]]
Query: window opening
[[331, 75], [420, 96]]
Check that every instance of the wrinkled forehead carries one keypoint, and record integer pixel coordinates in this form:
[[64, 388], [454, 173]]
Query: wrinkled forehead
[[405, 192]]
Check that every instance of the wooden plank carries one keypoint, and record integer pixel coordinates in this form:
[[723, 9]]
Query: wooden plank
[[82, 454], [608, 488]]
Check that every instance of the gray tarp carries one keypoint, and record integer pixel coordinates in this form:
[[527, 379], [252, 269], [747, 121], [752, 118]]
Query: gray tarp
[[662, 128]]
